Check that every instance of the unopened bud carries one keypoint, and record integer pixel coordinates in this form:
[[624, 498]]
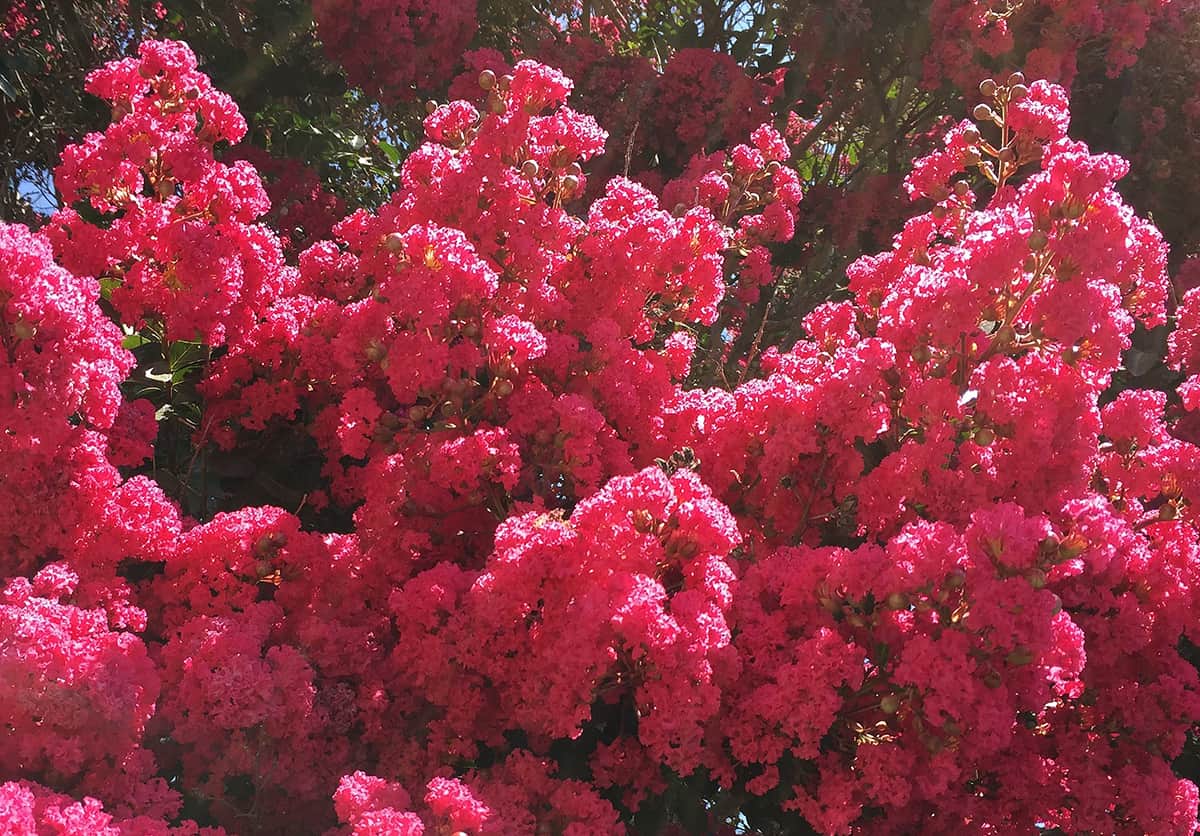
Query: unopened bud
[[890, 704], [503, 388], [1038, 241], [529, 169], [1015, 79], [504, 83], [984, 436], [431, 106], [961, 188], [987, 87], [1018, 92], [394, 241], [897, 601], [982, 112], [569, 184], [1037, 578], [487, 79]]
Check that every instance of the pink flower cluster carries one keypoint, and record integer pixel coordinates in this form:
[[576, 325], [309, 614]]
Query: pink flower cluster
[[151, 211], [1048, 37], [393, 50], [917, 575]]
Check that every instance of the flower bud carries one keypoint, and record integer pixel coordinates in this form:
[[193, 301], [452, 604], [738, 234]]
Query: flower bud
[[897, 601], [1015, 79], [988, 87], [1038, 241], [890, 704], [431, 106], [529, 169], [394, 241], [984, 436], [1018, 92], [983, 113], [487, 79]]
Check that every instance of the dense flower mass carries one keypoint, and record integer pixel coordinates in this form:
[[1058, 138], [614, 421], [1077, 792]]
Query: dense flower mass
[[554, 561], [394, 49]]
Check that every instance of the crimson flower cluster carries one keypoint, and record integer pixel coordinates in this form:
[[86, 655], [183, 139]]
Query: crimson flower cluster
[[919, 574]]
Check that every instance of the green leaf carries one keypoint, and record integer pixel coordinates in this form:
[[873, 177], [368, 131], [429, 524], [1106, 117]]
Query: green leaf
[[390, 151]]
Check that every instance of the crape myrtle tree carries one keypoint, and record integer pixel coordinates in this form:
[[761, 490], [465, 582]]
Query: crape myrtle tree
[[430, 417]]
